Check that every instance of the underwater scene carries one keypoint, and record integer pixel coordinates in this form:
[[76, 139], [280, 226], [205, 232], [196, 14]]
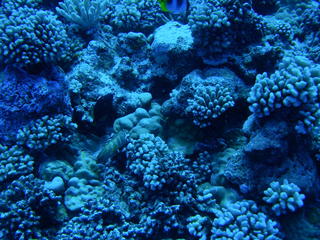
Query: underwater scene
[[159, 120]]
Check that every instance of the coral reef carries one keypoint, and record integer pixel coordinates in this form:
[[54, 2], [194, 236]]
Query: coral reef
[[25, 205], [194, 84], [121, 120], [28, 96]]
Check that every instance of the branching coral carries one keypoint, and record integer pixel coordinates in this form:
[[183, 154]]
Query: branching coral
[[198, 226], [295, 85], [29, 37], [150, 159], [208, 103], [26, 96], [243, 220], [144, 154], [14, 162], [223, 25], [85, 14], [126, 16], [46, 131], [283, 197], [9, 5], [136, 16], [24, 205]]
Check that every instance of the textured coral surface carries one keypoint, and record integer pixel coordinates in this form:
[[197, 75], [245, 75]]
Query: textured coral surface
[[158, 119]]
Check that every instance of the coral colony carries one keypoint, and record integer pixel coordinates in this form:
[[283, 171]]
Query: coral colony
[[159, 120]]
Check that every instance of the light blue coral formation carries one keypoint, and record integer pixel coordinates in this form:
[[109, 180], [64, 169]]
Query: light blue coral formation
[[151, 15], [9, 5], [46, 131], [284, 197], [295, 85], [243, 220], [149, 191], [213, 24], [84, 14], [159, 168], [14, 162], [134, 16], [25, 203], [143, 155], [208, 103], [198, 226], [207, 17], [123, 16], [29, 37]]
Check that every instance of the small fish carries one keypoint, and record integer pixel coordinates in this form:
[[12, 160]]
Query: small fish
[[174, 6], [112, 146]]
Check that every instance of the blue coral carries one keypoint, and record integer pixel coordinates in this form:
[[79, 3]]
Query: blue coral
[[14, 162], [150, 159], [295, 85], [27, 96], [29, 37], [165, 174], [283, 197], [47, 131], [125, 17], [143, 155], [198, 226], [207, 16], [24, 204], [221, 26], [208, 103], [9, 5], [243, 220], [100, 219], [141, 16], [84, 14]]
